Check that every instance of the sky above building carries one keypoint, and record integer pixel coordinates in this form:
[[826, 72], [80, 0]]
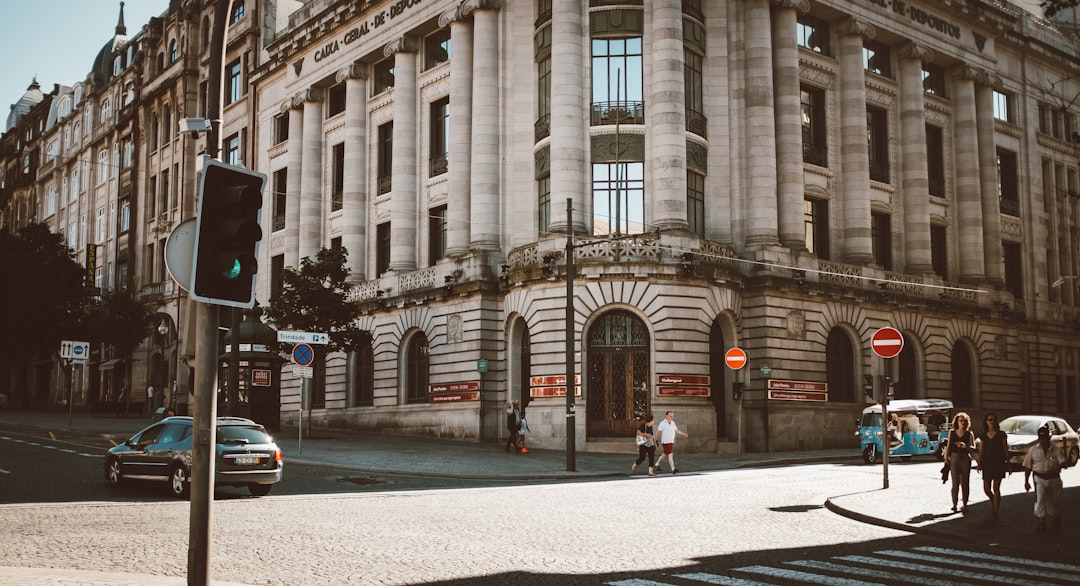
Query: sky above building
[[56, 40]]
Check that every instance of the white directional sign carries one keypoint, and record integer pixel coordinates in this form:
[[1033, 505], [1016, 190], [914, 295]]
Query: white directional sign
[[77, 351], [303, 337]]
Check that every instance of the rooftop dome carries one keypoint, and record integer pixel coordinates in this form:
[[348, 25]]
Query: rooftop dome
[[103, 70], [29, 99]]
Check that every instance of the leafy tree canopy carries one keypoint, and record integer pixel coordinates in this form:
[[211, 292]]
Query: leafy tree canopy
[[314, 299], [42, 294], [119, 319], [1053, 7]]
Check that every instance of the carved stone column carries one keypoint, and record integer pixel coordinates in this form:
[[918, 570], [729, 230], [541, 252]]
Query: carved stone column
[[854, 154], [991, 206], [459, 198], [311, 197], [569, 126], [667, 118], [354, 212], [915, 181], [486, 146], [760, 150], [404, 208], [294, 165], [789, 156], [969, 212]]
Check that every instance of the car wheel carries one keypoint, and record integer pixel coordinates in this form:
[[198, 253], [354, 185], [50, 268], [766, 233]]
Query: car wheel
[[112, 473], [178, 481], [259, 489], [870, 454], [1074, 456]]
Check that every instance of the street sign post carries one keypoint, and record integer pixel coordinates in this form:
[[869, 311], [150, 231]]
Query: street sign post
[[735, 358], [303, 355], [303, 337], [887, 342]]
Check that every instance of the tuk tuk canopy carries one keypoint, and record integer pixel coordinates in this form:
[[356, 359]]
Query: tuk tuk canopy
[[917, 406]]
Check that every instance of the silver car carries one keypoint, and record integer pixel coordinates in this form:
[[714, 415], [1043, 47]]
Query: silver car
[[1023, 432], [245, 455]]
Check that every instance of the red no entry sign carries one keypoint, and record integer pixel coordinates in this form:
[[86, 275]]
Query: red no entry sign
[[735, 358], [887, 342]]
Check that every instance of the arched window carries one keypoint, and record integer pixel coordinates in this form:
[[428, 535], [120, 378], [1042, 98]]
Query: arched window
[[416, 369], [840, 366], [362, 374], [174, 51], [106, 111]]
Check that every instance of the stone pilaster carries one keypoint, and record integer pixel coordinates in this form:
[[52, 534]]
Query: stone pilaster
[[988, 178], [354, 213], [460, 159], [294, 164], [854, 155], [569, 126], [486, 146], [403, 168], [789, 157], [311, 197], [667, 118], [968, 179], [914, 182], [760, 147]]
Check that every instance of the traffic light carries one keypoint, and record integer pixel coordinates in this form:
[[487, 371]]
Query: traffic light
[[227, 233], [868, 386]]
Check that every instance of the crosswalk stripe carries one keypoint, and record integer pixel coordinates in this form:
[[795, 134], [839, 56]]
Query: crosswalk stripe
[[804, 576], [637, 582], [1029, 571], [967, 574], [878, 574], [716, 579], [1000, 558]]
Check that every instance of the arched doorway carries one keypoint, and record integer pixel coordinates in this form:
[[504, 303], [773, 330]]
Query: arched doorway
[[963, 375], [718, 378], [840, 366], [618, 383]]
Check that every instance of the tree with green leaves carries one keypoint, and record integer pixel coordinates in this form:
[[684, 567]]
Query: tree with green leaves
[[315, 299], [117, 319], [42, 297]]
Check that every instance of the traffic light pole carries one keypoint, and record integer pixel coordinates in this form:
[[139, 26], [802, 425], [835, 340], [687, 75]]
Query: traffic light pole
[[204, 414]]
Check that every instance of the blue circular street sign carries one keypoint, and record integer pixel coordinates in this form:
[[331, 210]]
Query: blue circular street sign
[[303, 355]]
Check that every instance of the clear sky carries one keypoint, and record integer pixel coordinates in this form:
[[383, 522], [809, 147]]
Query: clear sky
[[57, 40]]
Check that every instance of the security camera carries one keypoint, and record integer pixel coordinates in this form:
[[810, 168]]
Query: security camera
[[194, 125]]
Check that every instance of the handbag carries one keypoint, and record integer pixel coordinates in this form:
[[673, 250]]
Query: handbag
[[640, 439]]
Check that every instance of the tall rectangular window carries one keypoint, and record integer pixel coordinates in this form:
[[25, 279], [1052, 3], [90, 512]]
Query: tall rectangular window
[[383, 79], [695, 202], [440, 136], [385, 157], [237, 11], [1012, 257], [543, 99], [232, 149], [235, 82], [281, 178], [618, 198], [164, 193], [335, 100], [877, 58], [125, 216], [103, 165], [934, 80], [436, 234], [1008, 183], [694, 87], [816, 221], [617, 81], [935, 160], [337, 192], [877, 139], [543, 188], [939, 250], [813, 34], [382, 248], [815, 150], [281, 127], [151, 197], [277, 269], [1003, 109], [881, 239], [437, 48]]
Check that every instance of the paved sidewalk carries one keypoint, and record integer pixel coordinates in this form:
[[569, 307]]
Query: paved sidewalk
[[915, 504]]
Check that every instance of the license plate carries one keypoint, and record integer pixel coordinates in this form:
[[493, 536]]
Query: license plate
[[246, 460]]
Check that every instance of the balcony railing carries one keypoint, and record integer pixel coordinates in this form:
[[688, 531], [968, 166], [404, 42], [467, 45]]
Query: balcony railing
[[383, 186], [622, 112], [542, 128], [697, 123], [438, 164]]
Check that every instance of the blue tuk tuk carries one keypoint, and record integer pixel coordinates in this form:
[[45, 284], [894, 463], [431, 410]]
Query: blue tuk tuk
[[915, 427]]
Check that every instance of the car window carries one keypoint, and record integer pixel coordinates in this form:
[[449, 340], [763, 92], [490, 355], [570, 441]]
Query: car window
[[238, 434], [174, 432], [1020, 426], [148, 436]]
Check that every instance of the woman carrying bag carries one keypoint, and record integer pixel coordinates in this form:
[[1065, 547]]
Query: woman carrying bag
[[646, 445]]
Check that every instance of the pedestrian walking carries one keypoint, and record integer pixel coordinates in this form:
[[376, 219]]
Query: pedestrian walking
[[513, 425], [993, 461], [958, 455], [523, 430], [646, 444], [667, 430], [150, 400], [1045, 460]]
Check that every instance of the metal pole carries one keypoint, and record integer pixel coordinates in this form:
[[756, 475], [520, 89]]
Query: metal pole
[[204, 415], [71, 393], [570, 432], [885, 422], [232, 407]]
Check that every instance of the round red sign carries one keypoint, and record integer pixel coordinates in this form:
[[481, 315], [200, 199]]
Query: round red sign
[[887, 342], [735, 358]]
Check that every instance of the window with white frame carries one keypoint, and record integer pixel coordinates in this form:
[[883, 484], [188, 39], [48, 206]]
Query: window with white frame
[[99, 225], [103, 165]]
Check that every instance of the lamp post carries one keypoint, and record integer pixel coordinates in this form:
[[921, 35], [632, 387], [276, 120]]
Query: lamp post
[[163, 381]]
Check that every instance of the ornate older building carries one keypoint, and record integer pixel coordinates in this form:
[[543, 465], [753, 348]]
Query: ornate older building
[[933, 190]]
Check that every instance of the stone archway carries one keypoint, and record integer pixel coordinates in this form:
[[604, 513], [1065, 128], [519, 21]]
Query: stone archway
[[618, 374]]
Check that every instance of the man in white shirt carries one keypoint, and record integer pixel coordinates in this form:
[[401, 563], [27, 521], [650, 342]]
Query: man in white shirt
[[1045, 460], [667, 430]]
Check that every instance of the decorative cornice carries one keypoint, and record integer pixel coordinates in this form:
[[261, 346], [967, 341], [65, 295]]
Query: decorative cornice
[[451, 16], [802, 6], [918, 51], [354, 70], [967, 71], [470, 6], [311, 94], [854, 26], [399, 45]]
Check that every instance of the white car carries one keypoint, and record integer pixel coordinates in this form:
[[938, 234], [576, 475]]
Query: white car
[[1023, 432]]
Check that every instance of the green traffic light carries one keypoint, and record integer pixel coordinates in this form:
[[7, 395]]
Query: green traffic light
[[232, 272]]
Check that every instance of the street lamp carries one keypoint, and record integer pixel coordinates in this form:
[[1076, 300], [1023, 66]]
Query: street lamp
[[163, 377]]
